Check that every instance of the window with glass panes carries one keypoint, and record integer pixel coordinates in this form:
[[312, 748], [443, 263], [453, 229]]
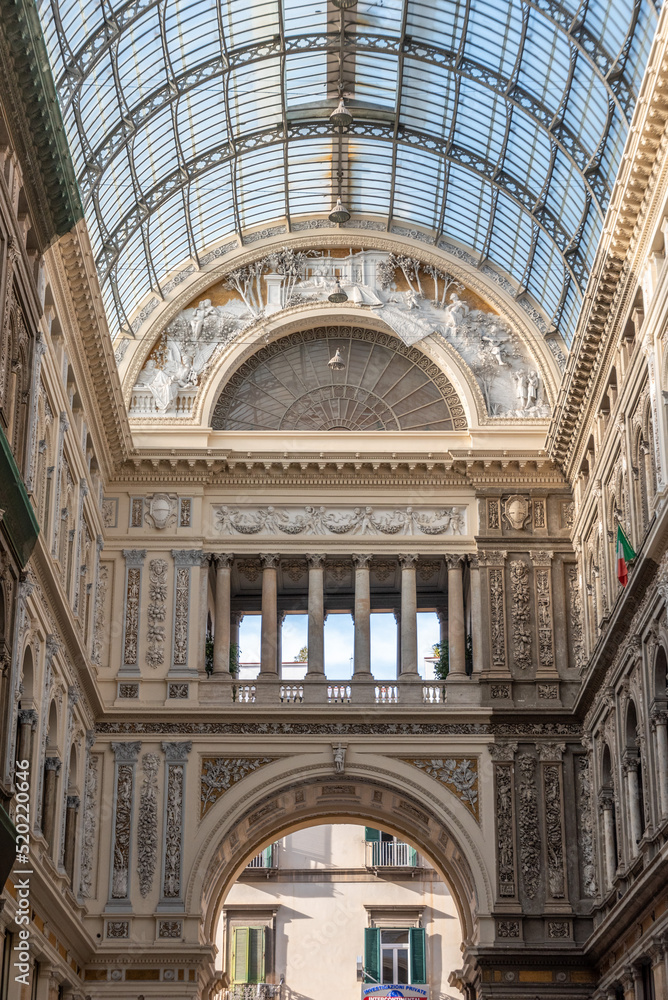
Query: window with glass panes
[[395, 955]]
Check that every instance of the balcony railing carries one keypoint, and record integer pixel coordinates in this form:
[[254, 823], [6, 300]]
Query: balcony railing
[[251, 991], [390, 854], [265, 859], [296, 694]]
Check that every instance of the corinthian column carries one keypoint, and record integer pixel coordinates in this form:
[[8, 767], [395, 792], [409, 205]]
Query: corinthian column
[[269, 628], [52, 767], [476, 614], [27, 719], [221, 635], [409, 664], [606, 803], [659, 720], [362, 647], [456, 630], [316, 615], [73, 803], [631, 765]]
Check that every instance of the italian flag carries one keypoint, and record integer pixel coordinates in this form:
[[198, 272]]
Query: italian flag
[[625, 554]]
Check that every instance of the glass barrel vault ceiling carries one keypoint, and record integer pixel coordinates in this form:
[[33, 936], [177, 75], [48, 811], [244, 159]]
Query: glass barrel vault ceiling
[[499, 125]]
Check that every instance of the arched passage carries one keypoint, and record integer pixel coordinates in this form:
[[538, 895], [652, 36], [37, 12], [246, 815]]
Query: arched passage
[[277, 801]]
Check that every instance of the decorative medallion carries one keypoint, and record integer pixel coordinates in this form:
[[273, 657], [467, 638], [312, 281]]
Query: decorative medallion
[[516, 512]]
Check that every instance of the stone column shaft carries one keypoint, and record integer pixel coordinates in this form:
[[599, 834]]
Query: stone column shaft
[[71, 814], [221, 635], [52, 767], [409, 664], [269, 628], [316, 615], [661, 737], [609, 842], [633, 801], [27, 721], [476, 616], [362, 645], [456, 627]]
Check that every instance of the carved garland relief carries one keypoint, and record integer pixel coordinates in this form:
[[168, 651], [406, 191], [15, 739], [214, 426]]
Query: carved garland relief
[[458, 774], [505, 835], [339, 521], [218, 774], [156, 612], [497, 616], [529, 834], [147, 825], [519, 585]]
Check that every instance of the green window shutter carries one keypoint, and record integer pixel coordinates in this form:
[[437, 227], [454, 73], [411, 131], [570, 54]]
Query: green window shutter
[[240, 956], [371, 955], [256, 955], [412, 857], [370, 835], [267, 856], [418, 956]]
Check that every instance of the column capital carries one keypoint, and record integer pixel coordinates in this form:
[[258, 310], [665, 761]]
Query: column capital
[[126, 752], [188, 557], [53, 764], [541, 558], [236, 617], [315, 560], [361, 561], [73, 801], [551, 753], [223, 560], [176, 752], [606, 800], [658, 717], [442, 615], [27, 717], [135, 557], [453, 560], [408, 560], [630, 761], [502, 752], [269, 560], [474, 560]]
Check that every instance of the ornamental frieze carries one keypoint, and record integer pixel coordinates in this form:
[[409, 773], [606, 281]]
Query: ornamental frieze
[[339, 520]]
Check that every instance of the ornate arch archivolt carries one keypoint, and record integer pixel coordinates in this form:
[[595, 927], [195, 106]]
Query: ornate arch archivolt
[[285, 796], [196, 285]]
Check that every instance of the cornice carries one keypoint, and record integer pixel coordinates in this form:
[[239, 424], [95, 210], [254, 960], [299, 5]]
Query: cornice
[[29, 97], [614, 277], [340, 470], [73, 261]]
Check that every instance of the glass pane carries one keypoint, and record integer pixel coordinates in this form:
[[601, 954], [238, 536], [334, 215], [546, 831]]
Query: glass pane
[[394, 937], [388, 971], [402, 965]]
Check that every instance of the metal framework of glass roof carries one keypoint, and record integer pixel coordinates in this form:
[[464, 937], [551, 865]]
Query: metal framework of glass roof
[[498, 124]]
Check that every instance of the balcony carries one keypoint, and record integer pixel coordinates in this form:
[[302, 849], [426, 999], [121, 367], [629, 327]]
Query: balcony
[[251, 991], [390, 854], [265, 860]]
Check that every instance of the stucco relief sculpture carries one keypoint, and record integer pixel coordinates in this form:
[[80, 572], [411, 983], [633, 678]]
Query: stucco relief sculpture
[[414, 300], [218, 774], [458, 774], [147, 826], [339, 521]]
